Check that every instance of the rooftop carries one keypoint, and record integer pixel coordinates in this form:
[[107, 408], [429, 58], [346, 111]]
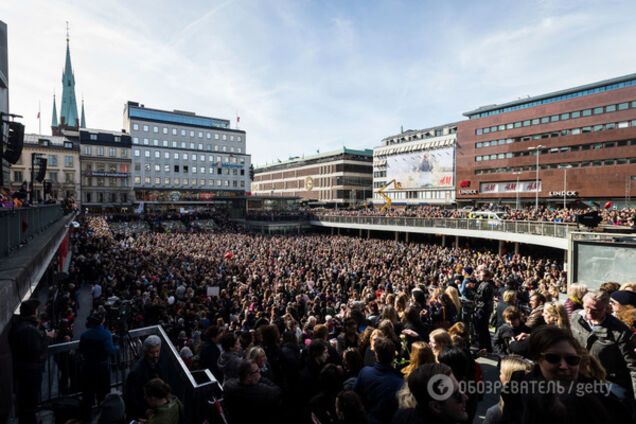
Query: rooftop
[[297, 160], [555, 96], [177, 117]]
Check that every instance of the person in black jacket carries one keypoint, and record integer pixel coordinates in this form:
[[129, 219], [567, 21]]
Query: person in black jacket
[[211, 351], [511, 336], [483, 308], [250, 398], [144, 370], [28, 350]]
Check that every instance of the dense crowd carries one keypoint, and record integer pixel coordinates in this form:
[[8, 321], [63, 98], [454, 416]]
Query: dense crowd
[[622, 217], [334, 329]]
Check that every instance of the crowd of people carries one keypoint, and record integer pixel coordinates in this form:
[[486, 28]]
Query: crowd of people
[[335, 329], [609, 216], [13, 199]]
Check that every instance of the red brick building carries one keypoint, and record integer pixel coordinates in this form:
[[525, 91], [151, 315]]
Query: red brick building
[[586, 137]]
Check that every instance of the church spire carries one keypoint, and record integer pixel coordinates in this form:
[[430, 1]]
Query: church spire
[[83, 118], [68, 108], [54, 117]]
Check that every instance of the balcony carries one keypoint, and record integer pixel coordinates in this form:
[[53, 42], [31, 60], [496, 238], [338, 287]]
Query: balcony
[[529, 232], [29, 239]]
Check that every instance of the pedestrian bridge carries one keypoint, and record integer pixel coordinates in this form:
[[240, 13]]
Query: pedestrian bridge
[[547, 234]]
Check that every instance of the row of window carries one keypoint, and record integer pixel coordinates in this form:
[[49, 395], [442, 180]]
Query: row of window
[[101, 197], [581, 164], [183, 145], [105, 182], [184, 133], [188, 169], [562, 149], [116, 138], [186, 156], [579, 93], [556, 118], [560, 133], [191, 182], [52, 161], [69, 177], [101, 150]]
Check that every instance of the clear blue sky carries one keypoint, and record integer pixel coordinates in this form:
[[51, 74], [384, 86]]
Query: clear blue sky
[[306, 75]]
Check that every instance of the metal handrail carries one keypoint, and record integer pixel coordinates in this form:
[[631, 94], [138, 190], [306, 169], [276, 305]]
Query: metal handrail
[[62, 373], [540, 228], [20, 225]]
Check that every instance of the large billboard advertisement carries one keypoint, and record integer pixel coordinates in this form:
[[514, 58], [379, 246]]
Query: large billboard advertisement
[[424, 169]]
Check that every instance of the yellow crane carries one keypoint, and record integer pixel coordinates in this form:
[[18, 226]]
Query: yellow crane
[[387, 199]]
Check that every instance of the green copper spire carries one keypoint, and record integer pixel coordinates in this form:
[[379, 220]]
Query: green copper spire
[[83, 118], [68, 109], [54, 118]]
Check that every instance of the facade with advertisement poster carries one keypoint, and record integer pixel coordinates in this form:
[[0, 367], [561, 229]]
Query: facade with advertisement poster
[[416, 167], [585, 138]]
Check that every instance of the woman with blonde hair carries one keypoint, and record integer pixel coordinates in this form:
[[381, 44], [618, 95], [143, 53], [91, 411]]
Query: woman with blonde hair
[[438, 340], [421, 353], [555, 314], [574, 301], [509, 365], [453, 295]]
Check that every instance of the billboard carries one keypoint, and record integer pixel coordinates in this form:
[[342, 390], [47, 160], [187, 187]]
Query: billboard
[[597, 263], [423, 169]]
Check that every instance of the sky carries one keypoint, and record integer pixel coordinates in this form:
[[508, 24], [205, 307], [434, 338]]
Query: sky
[[309, 75]]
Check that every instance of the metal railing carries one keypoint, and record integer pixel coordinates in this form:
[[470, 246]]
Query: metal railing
[[538, 228], [18, 226], [63, 372]]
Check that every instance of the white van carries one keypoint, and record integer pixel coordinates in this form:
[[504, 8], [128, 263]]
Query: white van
[[492, 217]]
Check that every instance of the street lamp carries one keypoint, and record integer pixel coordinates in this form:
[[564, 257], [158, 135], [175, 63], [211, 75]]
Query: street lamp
[[517, 189], [538, 149]]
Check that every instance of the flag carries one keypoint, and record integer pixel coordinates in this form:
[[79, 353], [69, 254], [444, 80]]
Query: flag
[[38, 114], [238, 119]]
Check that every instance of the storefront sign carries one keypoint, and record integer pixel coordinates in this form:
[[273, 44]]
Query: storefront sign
[[564, 193], [107, 174], [510, 187], [467, 191]]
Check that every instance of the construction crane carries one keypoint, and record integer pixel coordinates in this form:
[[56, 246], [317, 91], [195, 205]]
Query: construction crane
[[387, 199]]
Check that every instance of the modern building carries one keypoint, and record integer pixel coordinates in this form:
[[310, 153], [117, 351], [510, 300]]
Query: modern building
[[578, 143], [416, 167], [4, 97], [181, 156], [105, 160], [340, 177], [63, 167]]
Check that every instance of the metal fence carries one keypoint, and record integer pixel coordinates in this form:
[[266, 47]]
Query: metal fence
[[19, 226], [548, 229], [63, 373]]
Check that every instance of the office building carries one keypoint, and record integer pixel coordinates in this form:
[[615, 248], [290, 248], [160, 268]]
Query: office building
[[340, 177], [181, 156], [569, 145], [105, 160], [63, 167]]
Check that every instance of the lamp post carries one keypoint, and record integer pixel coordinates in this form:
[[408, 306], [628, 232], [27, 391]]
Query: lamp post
[[565, 185], [517, 190], [538, 149]]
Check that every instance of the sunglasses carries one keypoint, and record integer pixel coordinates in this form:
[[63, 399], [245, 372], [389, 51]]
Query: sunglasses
[[555, 359]]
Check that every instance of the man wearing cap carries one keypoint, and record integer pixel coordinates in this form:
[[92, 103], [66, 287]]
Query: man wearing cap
[[96, 346], [28, 350], [467, 287]]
